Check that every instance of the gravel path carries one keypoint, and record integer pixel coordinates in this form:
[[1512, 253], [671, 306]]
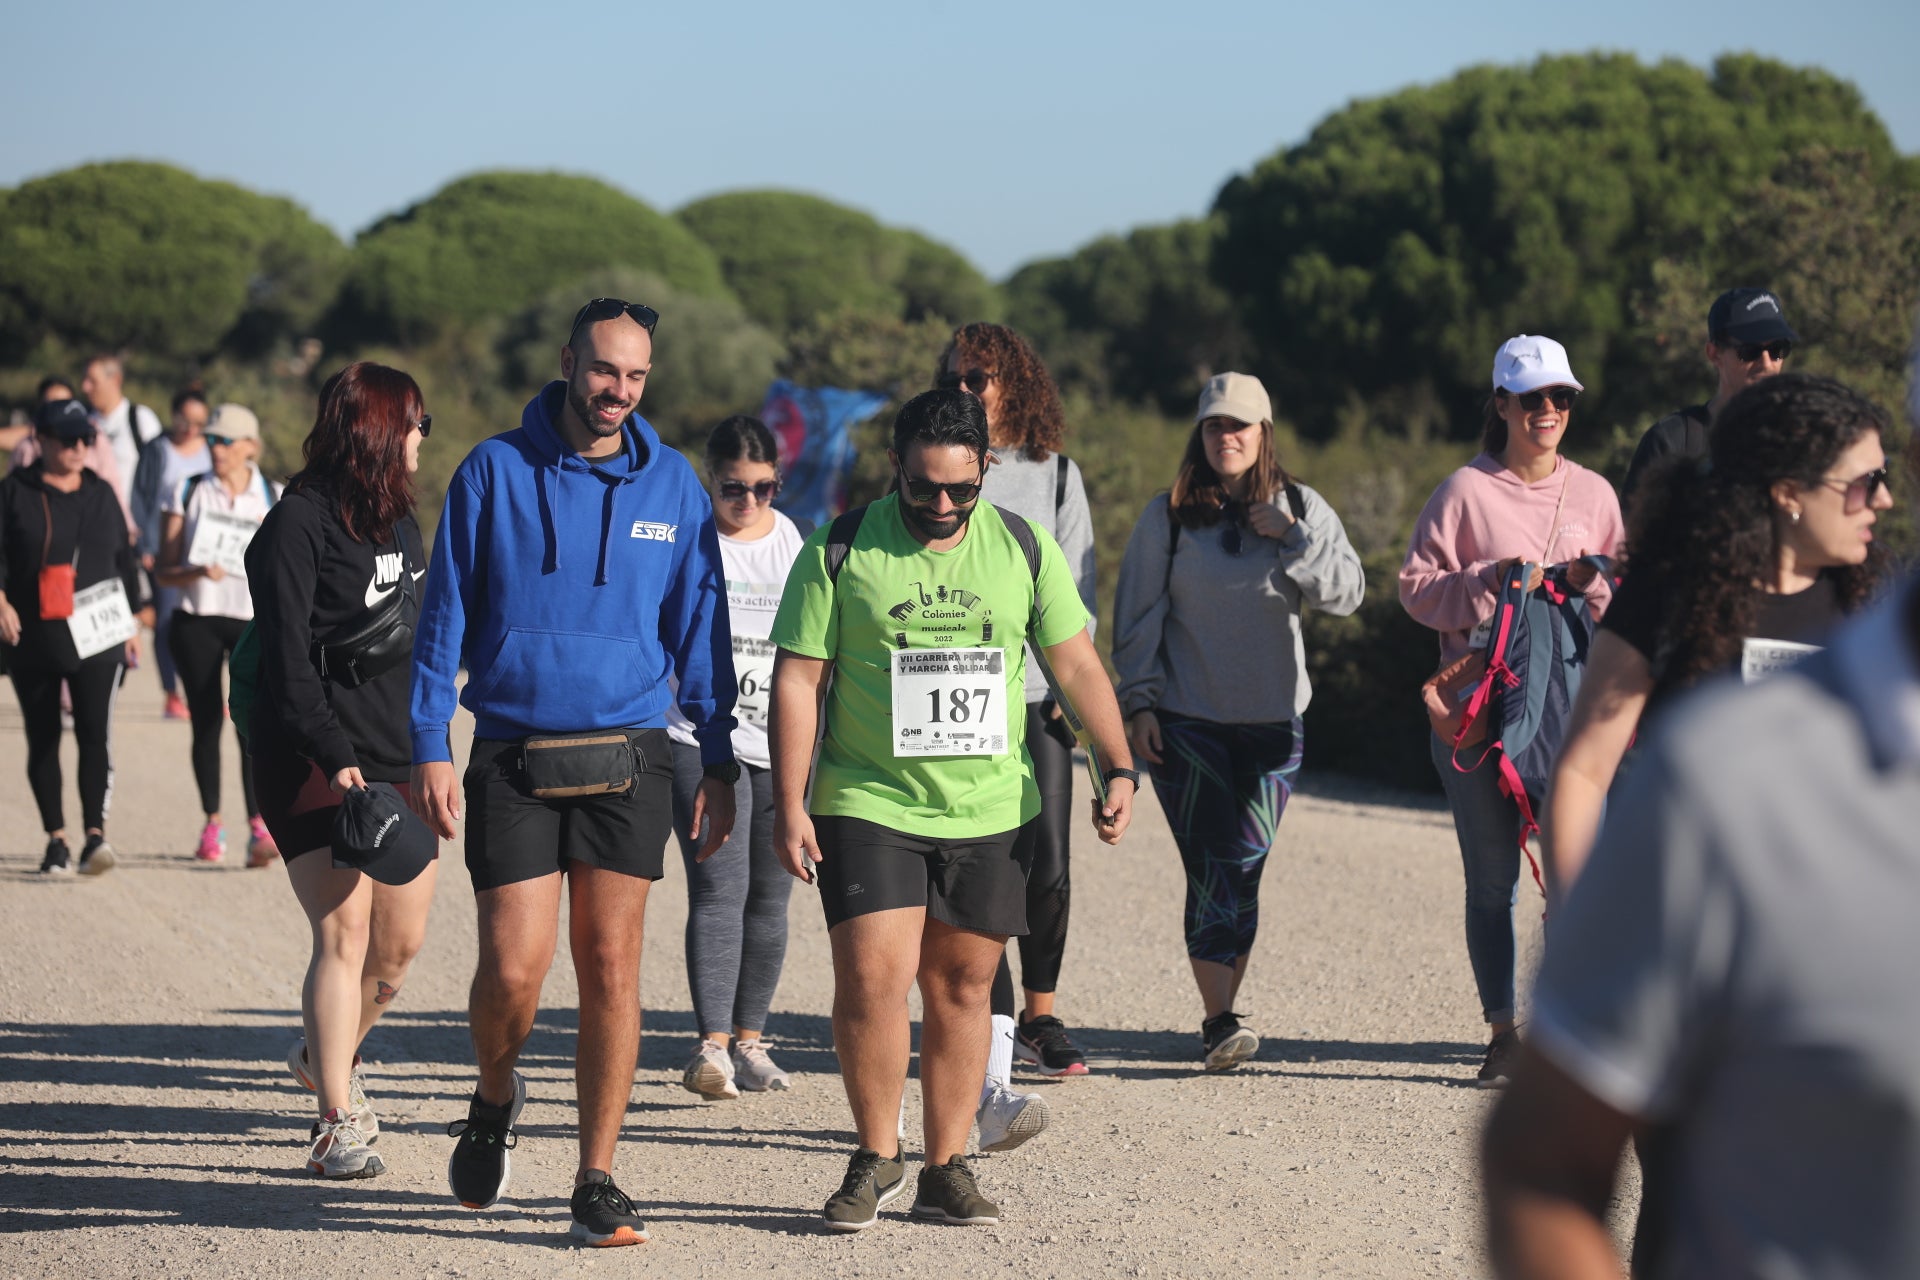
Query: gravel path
[[148, 1125]]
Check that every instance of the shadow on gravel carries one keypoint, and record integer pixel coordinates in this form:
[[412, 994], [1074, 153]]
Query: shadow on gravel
[[1162, 1055]]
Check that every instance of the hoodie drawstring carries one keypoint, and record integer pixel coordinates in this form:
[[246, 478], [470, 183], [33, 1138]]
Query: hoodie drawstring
[[549, 493], [606, 532]]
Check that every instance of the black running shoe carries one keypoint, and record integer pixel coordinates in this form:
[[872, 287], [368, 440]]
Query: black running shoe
[[1498, 1068], [1225, 1044], [949, 1194], [479, 1167], [872, 1183], [97, 856], [58, 859], [603, 1216], [1044, 1045]]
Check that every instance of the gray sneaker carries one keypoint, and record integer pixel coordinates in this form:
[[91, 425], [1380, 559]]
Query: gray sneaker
[[710, 1072], [340, 1151], [872, 1183], [357, 1105], [949, 1194], [754, 1071], [1007, 1118]]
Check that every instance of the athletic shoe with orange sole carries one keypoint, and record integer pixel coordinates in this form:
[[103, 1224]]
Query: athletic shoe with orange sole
[[602, 1215]]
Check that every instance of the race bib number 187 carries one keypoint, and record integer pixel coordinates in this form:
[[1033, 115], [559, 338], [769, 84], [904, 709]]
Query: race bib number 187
[[949, 702]]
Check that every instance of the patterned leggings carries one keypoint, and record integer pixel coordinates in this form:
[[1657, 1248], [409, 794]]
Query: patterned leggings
[[1223, 788]]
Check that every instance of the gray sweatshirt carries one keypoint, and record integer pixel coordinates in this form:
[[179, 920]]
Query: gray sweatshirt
[[1216, 636], [1029, 488]]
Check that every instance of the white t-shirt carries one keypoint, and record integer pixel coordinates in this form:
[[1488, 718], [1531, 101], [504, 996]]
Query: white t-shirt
[[127, 429], [756, 574], [229, 597]]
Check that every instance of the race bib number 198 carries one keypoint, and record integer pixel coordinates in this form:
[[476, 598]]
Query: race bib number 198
[[102, 618], [949, 702]]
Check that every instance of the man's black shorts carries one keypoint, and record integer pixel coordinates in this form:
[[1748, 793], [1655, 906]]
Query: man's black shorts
[[976, 883], [511, 836]]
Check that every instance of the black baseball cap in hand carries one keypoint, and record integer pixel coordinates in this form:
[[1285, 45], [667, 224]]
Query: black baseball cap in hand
[[375, 833], [1748, 315]]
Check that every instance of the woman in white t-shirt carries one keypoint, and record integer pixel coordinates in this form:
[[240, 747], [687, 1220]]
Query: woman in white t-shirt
[[737, 898], [206, 524]]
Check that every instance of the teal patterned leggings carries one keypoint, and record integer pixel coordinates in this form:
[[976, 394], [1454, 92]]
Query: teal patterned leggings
[[1223, 788]]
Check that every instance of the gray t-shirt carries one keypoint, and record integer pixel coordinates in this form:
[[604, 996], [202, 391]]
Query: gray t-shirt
[[1739, 967], [1034, 490]]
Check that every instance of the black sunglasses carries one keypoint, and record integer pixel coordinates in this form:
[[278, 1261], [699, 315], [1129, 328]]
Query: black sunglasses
[[922, 492], [425, 425], [606, 309], [1860, 490], [1230, 540], [1748, 352], [734, 490], [1562, 397], [974, 380]]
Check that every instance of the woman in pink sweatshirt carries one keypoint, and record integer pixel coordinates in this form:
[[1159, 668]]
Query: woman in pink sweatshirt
[[1519, 500]]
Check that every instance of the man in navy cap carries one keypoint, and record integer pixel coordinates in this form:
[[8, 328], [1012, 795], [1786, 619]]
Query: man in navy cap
[[1748, 339]]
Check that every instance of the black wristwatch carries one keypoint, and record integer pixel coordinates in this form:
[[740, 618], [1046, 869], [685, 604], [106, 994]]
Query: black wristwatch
[[728, 772], [1131, 775]]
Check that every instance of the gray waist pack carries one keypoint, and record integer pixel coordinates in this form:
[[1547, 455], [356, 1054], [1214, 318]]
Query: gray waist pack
[[562, 766]]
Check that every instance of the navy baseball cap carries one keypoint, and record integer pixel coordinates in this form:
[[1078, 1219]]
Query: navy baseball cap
[[64, 420], [1748, 315], [376, 833]]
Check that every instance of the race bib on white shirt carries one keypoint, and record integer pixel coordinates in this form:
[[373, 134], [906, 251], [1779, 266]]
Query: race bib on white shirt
[[753, 672], [1762, 658], [220, 537], [949, 702], [102, 618]]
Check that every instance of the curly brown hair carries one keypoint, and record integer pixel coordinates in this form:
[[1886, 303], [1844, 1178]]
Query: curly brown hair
[[1704, 531], [1030, 417]]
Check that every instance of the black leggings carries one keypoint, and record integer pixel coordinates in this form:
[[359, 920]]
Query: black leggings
[[95, 687], [200, 648], [1042, 847]]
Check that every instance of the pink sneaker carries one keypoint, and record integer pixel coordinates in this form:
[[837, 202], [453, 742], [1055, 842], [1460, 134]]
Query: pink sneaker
[[261, 850], [176, 708], [213, 842]]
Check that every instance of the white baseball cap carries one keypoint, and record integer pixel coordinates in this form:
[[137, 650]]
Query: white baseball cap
[[1239, 396], [1528, 362]]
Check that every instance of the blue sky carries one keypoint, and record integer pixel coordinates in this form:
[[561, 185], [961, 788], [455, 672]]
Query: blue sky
[[1010, 131]]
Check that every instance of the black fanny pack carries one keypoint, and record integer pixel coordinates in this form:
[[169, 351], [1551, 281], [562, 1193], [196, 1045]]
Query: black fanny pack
[[376, 644], [560, 766]]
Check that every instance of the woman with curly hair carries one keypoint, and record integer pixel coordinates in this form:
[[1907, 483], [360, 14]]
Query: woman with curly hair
[[1771, 540], [1032, 477]]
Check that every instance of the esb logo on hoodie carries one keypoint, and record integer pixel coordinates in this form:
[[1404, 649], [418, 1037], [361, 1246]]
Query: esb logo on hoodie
[[653, 531]]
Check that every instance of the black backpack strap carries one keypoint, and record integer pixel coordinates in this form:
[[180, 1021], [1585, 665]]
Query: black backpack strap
[[1022, 532], [802, 525], [1059, 485], [1296, 502], [840, 536]]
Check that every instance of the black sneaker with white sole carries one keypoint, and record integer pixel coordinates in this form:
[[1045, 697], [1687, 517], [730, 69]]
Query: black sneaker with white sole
[[1225, 1044], [58, 859], [602, 1215], [872, 1183], [1043, 1044], [949, 1194], [97, 856], [1498, 1067], [479, 1167]]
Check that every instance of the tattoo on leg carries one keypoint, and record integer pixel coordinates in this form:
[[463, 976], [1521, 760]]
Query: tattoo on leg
[[386, 993]]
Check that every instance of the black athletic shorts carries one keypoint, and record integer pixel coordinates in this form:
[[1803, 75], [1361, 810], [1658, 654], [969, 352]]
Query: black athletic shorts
[[977, 883], [512, 836]]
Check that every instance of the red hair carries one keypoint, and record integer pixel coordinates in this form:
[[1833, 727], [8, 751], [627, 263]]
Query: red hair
[[358, 447]]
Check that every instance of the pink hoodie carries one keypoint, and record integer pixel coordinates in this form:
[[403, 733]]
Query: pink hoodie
[[1483, 514]]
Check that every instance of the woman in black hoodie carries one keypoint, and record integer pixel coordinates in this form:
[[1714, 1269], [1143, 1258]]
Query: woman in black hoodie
[[63, 547], [331, 561]]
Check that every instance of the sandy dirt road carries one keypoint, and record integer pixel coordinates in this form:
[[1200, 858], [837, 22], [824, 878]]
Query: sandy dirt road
[[148, 1125]]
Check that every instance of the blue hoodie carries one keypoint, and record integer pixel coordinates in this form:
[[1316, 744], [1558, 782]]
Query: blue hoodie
[[571, 590]]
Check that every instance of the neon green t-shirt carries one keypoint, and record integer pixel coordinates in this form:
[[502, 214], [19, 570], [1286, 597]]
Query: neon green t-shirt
[[895, 594]]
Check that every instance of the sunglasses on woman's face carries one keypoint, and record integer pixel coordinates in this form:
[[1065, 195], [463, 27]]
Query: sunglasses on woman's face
[[219, 442], [424, 426], [1562, 397], [921, 492], [974, 380], [735, 490], [1862, 490]]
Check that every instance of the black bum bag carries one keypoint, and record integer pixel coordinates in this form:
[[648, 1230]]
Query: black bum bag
[[561, 766]]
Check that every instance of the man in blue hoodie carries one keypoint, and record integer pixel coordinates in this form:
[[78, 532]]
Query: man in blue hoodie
[[576, 575]]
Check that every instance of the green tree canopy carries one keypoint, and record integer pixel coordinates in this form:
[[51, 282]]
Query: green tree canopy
[[1394, 249], [480, 247], [791, 258], [152, 258]]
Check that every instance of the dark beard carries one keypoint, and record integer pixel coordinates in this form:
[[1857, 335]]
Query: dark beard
[[583, 410], [930, 527]]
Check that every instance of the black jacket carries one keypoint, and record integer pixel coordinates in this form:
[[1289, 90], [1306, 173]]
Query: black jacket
[[310, 580], [88, 520]]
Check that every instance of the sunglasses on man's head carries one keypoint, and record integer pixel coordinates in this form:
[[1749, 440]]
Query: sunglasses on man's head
[[974, 380], [1861, 489], [1562, 397], [607, 308], [734, 490], [922, 492]]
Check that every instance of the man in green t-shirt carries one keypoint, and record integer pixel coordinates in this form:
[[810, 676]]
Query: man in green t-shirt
[[923, 782]]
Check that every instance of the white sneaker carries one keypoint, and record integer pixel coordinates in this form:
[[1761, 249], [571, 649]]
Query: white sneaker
[[710, 1073], [753, 1070], [340, 1150], [357, 1105], [1007, 1119]]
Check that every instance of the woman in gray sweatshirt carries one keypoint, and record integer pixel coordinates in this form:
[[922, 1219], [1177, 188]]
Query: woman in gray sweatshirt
[[1031, 477], [1213, 676]]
